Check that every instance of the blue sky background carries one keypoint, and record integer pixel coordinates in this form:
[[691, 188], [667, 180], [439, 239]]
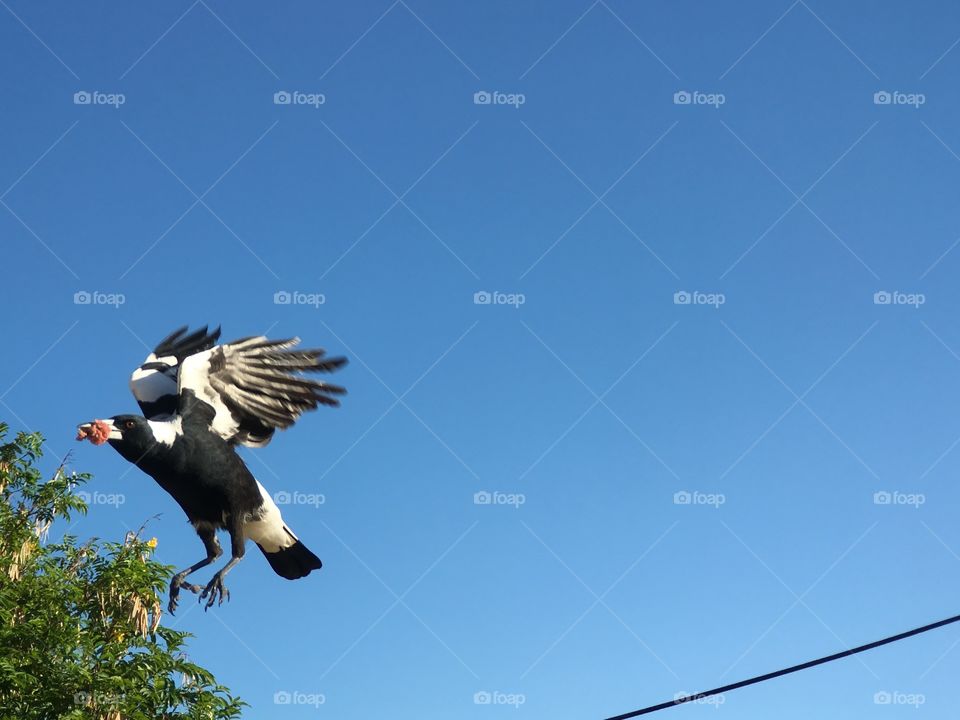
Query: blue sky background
[[398, 198]]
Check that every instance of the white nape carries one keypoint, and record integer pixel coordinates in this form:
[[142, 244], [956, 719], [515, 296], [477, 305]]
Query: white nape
[[166, 431]]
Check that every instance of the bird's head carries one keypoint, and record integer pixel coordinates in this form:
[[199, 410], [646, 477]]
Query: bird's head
[[130, 435]]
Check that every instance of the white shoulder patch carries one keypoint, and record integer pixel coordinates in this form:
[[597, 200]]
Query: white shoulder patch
[[195, 375], [166, 431]]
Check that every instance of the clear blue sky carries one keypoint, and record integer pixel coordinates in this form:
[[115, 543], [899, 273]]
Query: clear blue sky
[[782, 188]]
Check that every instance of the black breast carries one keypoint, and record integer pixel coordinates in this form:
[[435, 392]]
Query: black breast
[[206, 477]]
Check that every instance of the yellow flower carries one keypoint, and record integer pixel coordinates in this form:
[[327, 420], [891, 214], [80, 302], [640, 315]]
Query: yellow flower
[[152, 542]]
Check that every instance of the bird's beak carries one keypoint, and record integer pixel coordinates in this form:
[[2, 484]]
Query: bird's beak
[[98, 431]]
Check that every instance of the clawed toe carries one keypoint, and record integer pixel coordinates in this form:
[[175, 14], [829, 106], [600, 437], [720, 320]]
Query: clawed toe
[[175, 587], [214, 588], [174, 596]]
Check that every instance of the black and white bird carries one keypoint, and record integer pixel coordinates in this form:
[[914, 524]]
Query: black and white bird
[[199, 401]]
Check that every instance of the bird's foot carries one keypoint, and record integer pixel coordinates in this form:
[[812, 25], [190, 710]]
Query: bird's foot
[[214, 588], [175, 585]]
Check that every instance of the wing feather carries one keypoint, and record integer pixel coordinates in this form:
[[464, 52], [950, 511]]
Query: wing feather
[[256, 385]]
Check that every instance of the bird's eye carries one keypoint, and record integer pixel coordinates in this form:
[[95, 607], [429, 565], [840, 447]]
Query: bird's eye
[[129, 425]]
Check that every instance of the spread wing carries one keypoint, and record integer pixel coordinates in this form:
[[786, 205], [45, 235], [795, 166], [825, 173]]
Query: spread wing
[[154, 384], [256, 385]]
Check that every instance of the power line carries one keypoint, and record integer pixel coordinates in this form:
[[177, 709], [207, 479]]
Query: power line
[[786, 671]]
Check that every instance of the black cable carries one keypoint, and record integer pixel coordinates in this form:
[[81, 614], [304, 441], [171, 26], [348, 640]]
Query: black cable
[[786, 671]]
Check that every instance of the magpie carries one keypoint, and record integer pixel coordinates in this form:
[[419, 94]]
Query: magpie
[[200, 401]]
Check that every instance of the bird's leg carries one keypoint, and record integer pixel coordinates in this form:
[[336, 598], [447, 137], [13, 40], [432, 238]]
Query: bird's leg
[[216, 586], [209, 538]]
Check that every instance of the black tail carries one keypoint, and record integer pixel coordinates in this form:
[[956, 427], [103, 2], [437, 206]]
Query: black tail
[[293, 562]]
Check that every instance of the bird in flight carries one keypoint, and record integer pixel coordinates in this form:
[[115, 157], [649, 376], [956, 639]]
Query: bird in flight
[[199, 401]]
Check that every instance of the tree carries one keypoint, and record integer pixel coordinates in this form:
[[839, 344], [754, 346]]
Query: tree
[[80, 623]]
